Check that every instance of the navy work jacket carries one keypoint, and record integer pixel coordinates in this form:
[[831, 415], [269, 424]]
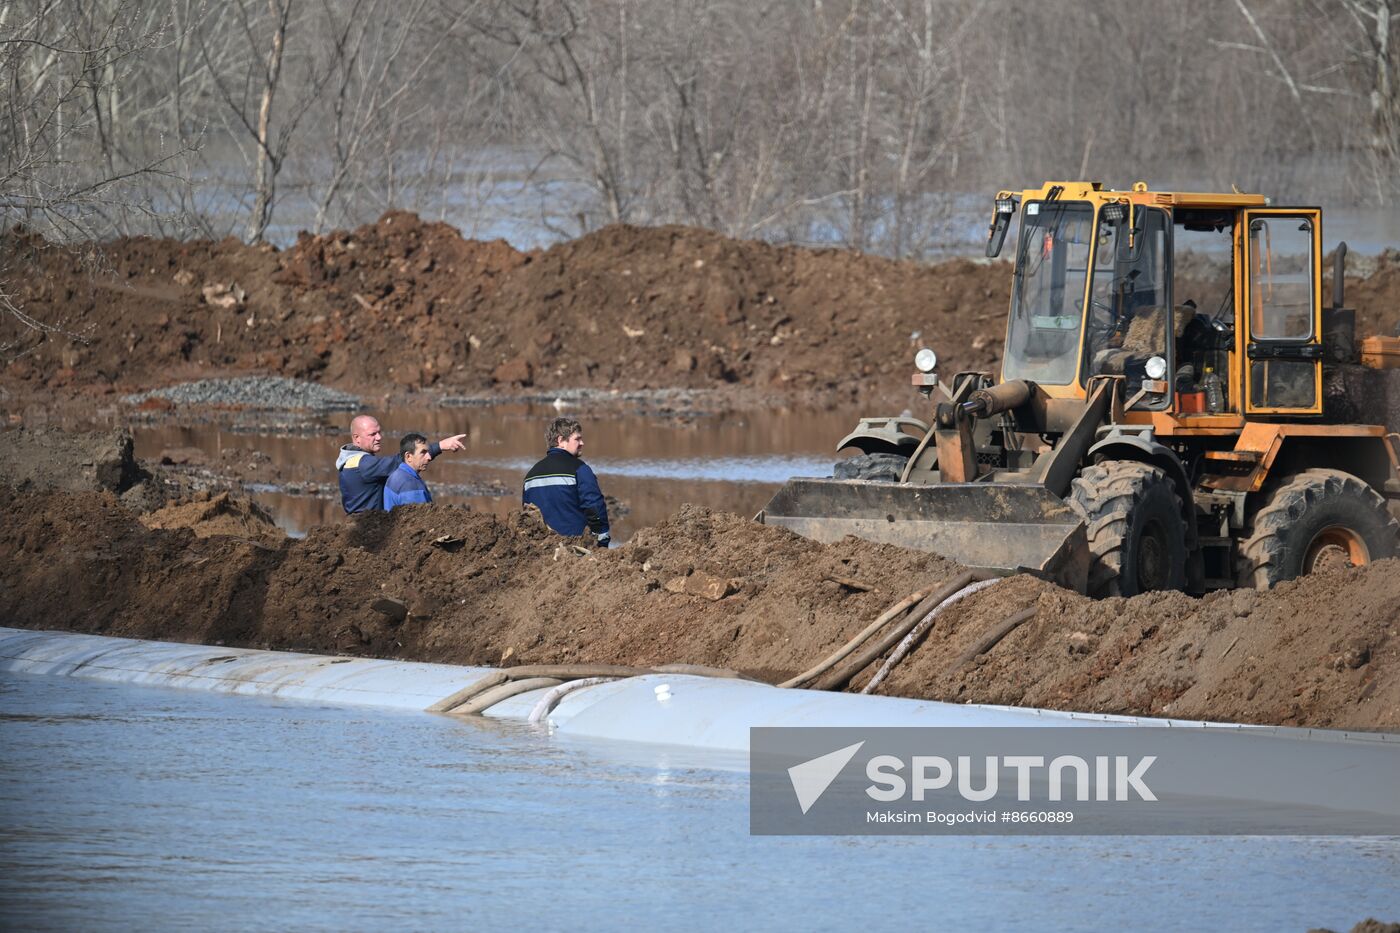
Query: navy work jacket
[[566, 492]]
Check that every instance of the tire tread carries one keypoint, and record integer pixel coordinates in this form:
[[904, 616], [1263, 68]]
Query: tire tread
[[1264, 551], [1105, 495]]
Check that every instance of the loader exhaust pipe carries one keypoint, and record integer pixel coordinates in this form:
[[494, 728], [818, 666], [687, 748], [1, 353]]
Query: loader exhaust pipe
[[1339, 276]]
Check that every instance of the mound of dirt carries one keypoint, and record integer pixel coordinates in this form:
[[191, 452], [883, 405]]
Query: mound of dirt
[[1376, 297], [482, 590], [442, 583], [219, 514], [1369, 925], [1321, 651], [48, 458], [677, 306], [99, 569], [408, 304]]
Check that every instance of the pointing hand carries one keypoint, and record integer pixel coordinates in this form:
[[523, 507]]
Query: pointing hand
[[453, 443]]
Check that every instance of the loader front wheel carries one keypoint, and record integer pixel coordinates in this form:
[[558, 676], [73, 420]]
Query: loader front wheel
[[1315, 520], [1137, 536], [882, 468]]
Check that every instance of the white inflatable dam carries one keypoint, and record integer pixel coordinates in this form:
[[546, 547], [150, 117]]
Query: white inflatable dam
[[696, 712]]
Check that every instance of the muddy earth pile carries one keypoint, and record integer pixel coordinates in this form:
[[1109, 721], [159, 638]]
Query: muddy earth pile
[[1375, 296], [410, 305], [47, 459], [442, 583], [210, 514]]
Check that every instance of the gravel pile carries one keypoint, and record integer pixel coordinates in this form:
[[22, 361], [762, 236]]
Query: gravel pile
[[253, 392]]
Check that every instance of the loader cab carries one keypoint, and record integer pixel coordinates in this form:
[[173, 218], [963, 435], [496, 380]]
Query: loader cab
[[1130, 328], [1091, 297], [1204, 304]]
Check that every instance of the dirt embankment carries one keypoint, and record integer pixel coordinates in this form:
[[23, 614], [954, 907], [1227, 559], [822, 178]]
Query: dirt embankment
[[702, 587], [83, 462], [409, 305], [1376, 297], [219, 514]]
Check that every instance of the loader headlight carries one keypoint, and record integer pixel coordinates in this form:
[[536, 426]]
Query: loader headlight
[[1156, 368], [926, 361]]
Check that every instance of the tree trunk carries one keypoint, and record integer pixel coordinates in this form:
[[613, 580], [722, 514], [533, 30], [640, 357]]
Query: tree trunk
[[265, 173]]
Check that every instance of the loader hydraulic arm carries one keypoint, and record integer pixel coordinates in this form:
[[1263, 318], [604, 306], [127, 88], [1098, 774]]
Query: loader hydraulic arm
[[957, 452], [1055, 468]]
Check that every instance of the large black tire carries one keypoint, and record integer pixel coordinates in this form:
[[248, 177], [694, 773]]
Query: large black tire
[[884, 468], [1315, 519], [1137, 536]]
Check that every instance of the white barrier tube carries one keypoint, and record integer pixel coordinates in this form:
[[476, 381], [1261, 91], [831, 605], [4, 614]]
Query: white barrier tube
[[546, 703], [343, 681], [696, 712]]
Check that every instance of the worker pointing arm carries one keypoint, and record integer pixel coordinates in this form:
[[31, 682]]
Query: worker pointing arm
[[362, 474]]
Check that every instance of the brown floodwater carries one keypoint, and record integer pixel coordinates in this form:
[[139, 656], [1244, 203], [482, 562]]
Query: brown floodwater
[[651, 464]]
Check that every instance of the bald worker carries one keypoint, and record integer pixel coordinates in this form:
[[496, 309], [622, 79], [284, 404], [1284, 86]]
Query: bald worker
[[362, 474]]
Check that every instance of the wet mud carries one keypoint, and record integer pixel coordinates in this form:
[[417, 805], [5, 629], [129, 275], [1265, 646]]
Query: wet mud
[[97, 541], [702, 587]]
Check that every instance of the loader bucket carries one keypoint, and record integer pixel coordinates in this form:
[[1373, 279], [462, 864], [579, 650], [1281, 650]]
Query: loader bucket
[[1001, 527]]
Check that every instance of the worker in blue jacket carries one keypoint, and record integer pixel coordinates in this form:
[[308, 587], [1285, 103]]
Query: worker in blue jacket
[[564, 488], [362, 474], [405, 485]]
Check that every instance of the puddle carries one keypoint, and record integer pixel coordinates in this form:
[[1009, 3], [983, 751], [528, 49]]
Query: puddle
[[650, 463]]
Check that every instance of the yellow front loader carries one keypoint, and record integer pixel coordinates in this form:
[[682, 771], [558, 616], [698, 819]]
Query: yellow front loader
[[1160, 420]]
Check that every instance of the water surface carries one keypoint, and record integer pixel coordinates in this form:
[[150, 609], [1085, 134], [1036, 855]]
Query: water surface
[[137, 807], [651, 462]]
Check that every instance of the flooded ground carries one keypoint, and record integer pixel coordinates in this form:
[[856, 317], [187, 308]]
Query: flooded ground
[[125, 807], [650, 463]]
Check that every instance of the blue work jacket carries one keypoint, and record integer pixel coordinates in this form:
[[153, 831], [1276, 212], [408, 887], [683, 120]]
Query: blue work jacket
[[405, 487], [362, 477]]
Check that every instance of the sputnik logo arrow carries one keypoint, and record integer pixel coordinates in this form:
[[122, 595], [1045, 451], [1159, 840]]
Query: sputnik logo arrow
[[811, 778]]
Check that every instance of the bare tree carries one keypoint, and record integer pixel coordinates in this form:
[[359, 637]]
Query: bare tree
[[250, 89], [576, 71], [858, 122], [65, 171], [381, 53], [1378, 51]]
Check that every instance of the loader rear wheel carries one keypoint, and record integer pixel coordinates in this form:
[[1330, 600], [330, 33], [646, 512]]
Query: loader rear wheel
[[1315, 520], [1137, 536], [883, 468]]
